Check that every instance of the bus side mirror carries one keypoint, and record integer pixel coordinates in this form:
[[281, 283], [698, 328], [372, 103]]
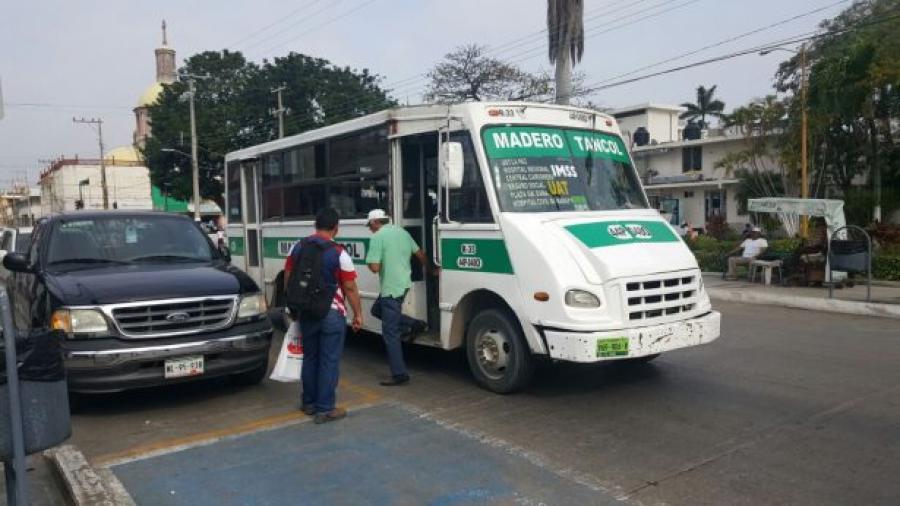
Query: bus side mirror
[[453, 165]]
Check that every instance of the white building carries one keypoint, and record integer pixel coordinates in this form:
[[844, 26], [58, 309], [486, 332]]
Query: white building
[[680, 175], [70, 181]]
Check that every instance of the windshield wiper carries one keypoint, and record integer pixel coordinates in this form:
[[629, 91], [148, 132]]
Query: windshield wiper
[[89, 261], [172, 258]]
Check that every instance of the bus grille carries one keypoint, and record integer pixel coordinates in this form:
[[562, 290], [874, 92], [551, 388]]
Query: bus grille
[[661, 296], [174, 317]]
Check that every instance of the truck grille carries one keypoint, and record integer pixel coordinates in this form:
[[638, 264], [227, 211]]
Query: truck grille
[[661, 296], [174, 317]]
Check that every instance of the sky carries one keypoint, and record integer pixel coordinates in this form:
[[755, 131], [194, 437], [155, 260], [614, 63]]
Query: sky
[[93, 58]]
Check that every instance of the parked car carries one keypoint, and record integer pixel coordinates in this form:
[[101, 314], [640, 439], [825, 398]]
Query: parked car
[[12, 239], [144, 299]]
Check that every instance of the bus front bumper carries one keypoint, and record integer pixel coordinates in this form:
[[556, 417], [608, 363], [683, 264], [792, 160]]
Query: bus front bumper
[[634, 342]]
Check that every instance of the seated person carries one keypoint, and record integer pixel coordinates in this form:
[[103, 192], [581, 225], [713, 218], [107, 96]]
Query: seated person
[[751, 249]]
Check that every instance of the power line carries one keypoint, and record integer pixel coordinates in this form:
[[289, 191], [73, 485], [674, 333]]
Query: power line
[[292, 26], [340, 16], [795, 40], [277, 21]]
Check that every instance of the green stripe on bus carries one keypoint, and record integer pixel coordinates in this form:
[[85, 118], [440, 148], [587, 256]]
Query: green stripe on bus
[[280, 247], [614, 233], [236, 245], [475, 255]]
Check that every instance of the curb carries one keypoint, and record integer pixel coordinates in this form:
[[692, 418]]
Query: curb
[[827, 305], [83, 485]]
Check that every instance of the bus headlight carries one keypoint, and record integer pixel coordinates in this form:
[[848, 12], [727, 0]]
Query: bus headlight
[[252, 306], [581, 298], [79, 322]]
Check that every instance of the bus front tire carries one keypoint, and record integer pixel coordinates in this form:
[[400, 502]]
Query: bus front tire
[[498, 354]]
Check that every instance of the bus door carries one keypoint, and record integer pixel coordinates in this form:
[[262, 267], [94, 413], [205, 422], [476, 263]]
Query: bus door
[[252, 219], [416, 207]]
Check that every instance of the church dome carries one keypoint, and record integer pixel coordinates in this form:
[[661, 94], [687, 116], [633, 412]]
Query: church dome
[[150, 95], [123, 154]]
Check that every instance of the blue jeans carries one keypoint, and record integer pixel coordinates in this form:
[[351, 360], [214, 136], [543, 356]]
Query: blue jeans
[[393, 324], [323, 344]]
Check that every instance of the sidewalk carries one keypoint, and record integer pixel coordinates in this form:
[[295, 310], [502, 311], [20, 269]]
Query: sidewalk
[[885, 296], [44, 486]]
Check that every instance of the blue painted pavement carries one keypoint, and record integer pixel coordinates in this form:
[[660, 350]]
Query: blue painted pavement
[[380, 455]]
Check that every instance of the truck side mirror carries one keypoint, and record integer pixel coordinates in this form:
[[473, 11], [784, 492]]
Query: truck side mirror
[[16, 262], [453, 165]]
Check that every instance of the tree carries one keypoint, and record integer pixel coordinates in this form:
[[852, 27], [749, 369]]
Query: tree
[[467, 73], [767, 166], [706, 106], [565, 37], [853, 101], [233, 106]]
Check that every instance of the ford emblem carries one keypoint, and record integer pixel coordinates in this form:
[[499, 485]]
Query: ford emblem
[[177, 317]]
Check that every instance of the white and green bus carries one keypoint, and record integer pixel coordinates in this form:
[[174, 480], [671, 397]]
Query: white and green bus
[[535, 213]]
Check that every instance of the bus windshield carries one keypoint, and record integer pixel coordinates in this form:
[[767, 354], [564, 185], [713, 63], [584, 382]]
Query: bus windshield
[[546, 169]]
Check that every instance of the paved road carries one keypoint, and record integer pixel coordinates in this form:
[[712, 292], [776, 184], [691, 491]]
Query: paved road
[[787, 407]]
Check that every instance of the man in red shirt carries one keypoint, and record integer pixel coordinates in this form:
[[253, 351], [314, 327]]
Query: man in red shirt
[[323, 340]]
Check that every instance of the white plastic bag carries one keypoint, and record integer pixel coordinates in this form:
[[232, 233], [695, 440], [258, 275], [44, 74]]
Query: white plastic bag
[[290, 360]]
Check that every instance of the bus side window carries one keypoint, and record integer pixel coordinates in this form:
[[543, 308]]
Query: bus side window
[[469, 204]]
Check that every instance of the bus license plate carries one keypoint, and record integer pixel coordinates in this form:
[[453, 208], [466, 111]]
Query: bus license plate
[[612, 347], [184, 366]]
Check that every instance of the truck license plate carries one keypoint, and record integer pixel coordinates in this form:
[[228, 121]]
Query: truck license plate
[[184, 366]]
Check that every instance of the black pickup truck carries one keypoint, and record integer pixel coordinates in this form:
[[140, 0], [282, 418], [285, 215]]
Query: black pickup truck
[[144, 299]]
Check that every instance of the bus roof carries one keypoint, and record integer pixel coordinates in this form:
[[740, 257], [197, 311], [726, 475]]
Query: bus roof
[[400, 113]]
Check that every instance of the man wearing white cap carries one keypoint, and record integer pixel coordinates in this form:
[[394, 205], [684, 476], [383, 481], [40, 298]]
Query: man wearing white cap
[[389, 253], [752, 247]]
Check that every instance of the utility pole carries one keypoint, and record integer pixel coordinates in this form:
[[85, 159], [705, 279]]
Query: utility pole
[[195, 166], [804, 182], [99, 123], [280, 111]]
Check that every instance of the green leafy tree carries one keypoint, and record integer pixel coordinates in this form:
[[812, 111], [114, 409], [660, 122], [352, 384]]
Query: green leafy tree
[[565, 38], [706, 105], [853, 101], [233, 103]]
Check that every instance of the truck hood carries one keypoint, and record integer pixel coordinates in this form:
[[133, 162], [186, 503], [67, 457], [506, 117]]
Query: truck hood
[[131, 283], [607, 245]]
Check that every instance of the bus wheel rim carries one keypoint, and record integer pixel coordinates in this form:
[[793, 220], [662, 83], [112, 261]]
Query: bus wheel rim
[[492, 351]]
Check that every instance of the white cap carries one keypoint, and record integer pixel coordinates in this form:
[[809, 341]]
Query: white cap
[[376, 214]]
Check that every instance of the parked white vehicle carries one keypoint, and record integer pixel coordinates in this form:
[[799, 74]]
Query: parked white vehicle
[[537, 216], [12, 239]]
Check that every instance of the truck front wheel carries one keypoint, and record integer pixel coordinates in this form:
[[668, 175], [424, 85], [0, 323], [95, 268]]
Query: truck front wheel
[[499, 357]]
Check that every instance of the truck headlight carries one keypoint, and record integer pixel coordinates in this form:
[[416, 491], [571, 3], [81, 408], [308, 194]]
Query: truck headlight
[[581, 298], [251, 306], [76, 322]]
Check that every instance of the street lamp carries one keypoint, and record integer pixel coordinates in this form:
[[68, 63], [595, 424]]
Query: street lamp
[[804, 185]]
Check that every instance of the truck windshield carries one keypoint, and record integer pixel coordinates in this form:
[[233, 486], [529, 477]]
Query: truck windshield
[[545, 169], [127, 239]]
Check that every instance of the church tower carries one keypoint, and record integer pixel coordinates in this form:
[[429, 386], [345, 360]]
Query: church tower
[[165, 74]]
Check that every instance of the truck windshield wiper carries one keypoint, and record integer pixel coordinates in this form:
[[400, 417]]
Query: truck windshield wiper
[[170, 258], [89, 261]]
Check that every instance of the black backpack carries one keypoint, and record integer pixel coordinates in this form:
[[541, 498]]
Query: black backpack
[[309, 296]]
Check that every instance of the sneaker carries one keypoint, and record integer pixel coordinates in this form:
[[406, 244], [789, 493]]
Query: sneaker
[[396, 381], [331, 416], [308, 409]]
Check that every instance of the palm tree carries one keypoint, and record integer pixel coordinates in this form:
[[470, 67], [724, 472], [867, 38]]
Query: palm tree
[[565, 33], [704, 107]]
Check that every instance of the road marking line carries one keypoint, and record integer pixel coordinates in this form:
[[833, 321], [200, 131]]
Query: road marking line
[[368, 399]]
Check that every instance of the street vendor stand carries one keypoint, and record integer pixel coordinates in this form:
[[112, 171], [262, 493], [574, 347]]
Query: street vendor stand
[[790, 210]]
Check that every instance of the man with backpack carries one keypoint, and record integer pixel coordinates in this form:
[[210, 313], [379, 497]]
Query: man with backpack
[[321, 279]]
